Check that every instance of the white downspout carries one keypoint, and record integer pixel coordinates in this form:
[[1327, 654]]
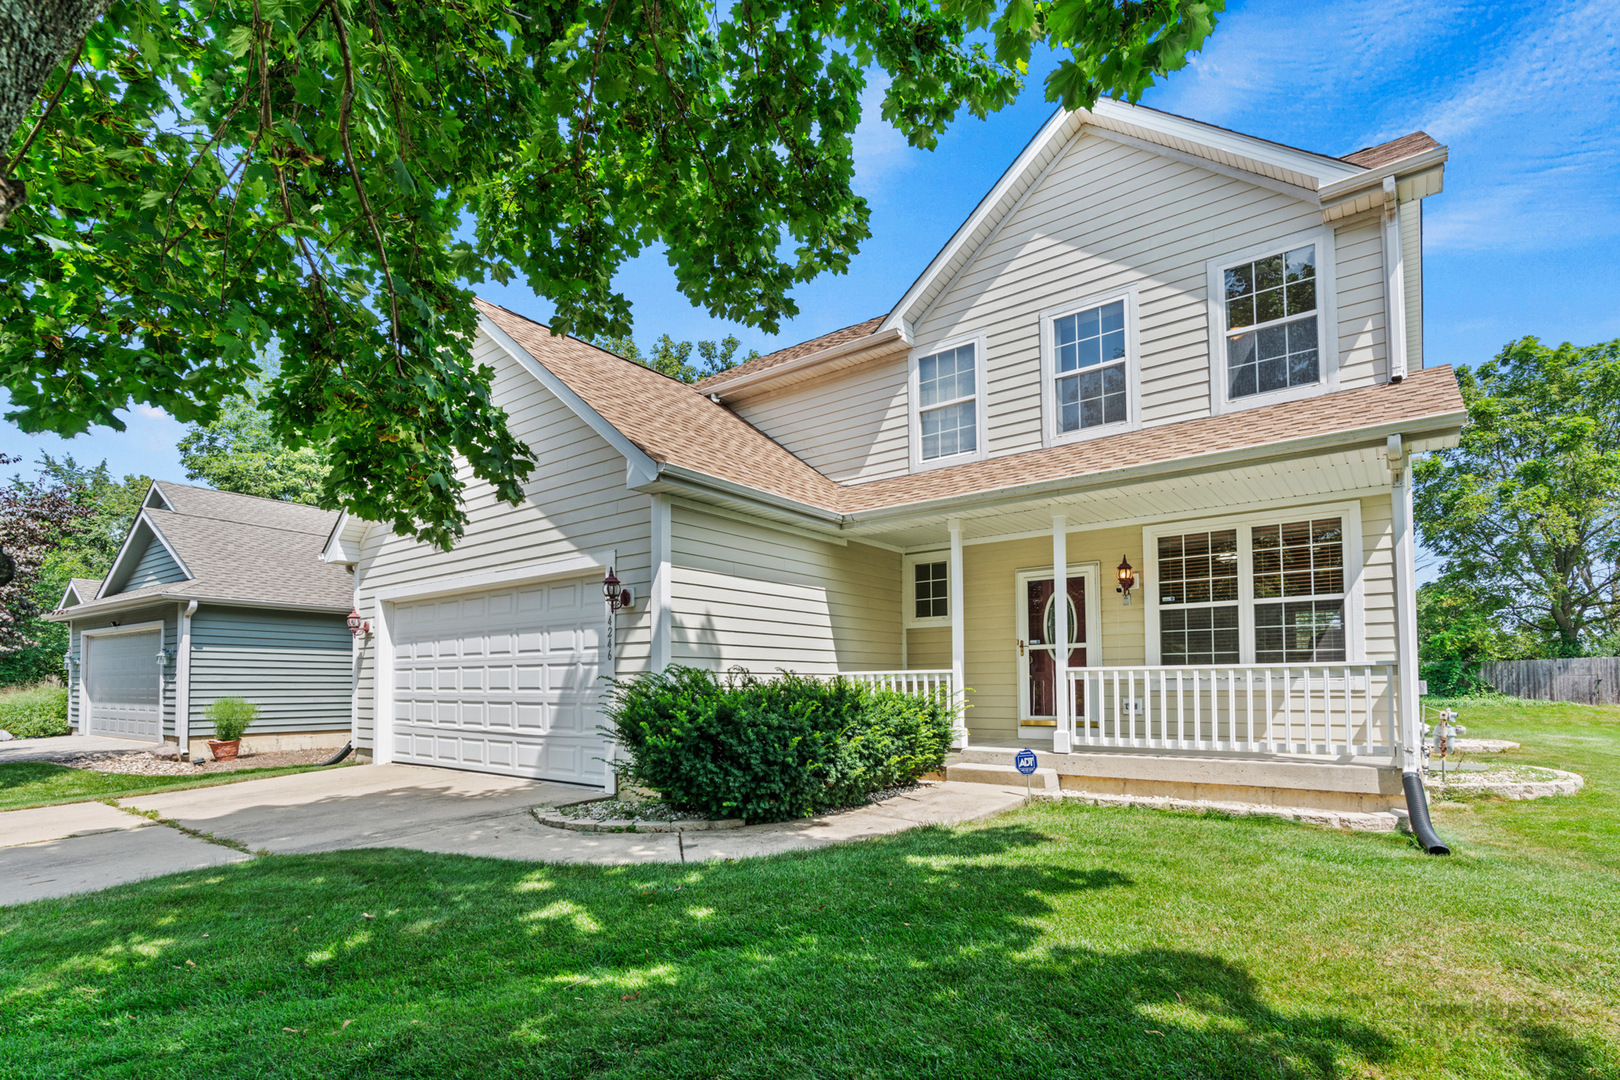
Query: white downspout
[[1405, 574], [182, 682], [1394, 284], [958, 636], [1060, 633]]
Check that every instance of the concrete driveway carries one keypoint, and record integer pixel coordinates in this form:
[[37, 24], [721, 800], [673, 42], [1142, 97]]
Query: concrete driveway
[[56, 851]]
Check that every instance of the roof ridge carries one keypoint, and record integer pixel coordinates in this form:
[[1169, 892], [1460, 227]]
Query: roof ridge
[[240, 494], [245, 524]]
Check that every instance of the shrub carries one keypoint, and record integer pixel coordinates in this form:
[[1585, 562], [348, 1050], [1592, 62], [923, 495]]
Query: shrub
[[35, 712], [231, 716], [770, 750]]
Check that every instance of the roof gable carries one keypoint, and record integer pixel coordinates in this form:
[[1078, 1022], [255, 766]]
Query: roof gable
[[147, 558]]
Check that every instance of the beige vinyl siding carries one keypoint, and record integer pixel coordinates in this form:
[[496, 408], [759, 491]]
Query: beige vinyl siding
[[764, 599], [1362, 352], [1378, 580], [1412, 260], [850, 426], [575, 502]]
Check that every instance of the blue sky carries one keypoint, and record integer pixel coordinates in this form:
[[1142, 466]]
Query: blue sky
[[1522, 240]]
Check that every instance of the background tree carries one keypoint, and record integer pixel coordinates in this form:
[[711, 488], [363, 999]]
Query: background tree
[[674, 358], [239, 452], [36, 518], [1526, 511], [204, 179]]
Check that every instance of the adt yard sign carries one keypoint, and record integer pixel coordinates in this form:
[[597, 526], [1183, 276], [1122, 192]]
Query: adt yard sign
[[1025, 760]]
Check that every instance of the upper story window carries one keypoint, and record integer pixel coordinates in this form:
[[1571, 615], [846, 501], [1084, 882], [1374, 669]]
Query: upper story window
[[1271, 323], [1090, 351], [947, 422], [1272, 301], [1088, 360]]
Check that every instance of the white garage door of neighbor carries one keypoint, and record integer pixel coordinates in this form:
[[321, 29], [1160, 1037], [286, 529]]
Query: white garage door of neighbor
[[123, 687], [506, 681]]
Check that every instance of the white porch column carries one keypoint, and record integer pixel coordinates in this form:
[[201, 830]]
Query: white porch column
[[1060, 633], [182, 681], [1394, 284], [1406, 641], [958, 636]]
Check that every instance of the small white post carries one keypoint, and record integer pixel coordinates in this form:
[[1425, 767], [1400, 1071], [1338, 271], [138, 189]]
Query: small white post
[[958, 636], [1394, 284], [658, 604], [1406, 644], [182, 681], [1060, 633]]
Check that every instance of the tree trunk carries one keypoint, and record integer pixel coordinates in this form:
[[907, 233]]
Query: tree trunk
[[35, 36]]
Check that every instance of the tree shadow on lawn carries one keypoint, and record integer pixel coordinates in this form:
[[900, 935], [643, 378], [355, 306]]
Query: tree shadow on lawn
[[934, 953]]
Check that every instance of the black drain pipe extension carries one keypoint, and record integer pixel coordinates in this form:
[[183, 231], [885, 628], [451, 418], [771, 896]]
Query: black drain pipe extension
[[348, 748], [1417, 809]]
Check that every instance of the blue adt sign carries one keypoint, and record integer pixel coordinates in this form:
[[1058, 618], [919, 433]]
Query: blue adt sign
[[1025, 761]]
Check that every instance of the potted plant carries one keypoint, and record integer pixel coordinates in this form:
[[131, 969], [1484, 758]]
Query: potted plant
[[230, 717]]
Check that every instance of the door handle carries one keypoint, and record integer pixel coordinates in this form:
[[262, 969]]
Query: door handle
[[1020, 648]]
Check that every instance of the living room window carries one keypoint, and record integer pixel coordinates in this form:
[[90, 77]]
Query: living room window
[[947, 419], [1268, 593]]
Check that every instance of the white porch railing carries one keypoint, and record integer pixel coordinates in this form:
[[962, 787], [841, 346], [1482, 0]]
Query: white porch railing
[[935, 683], [1335, 710]]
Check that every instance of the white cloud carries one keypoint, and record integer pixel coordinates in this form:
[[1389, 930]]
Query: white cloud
[[880, 151]]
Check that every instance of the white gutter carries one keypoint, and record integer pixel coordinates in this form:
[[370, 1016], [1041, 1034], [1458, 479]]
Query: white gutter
[[115, 604]]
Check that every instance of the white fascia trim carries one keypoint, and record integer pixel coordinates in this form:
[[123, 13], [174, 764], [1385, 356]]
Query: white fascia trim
[[1428, 159], [61, 605], [117, 604], [1184, 465], [123, 552], [900, 316], [343, 543], [1259, 179], [541, 570], [636, 460], [163, 500], [1327, 169], [873, 340], [678, 477]]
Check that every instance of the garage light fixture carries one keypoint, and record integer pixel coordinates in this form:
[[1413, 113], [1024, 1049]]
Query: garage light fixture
[[616, 597], [358, 627]]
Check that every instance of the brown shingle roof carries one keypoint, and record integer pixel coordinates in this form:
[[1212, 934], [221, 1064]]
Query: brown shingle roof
[[668, 420], [793, 352], [1429, 393], [1404, 147], [675, 423]]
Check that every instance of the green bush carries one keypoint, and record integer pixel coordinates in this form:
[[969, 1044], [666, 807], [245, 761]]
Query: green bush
[[231, 717], [35, 712], [771, 750]]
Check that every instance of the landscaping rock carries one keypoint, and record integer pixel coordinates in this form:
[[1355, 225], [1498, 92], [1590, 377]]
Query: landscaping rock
[[547, 816], [1483, 746], [1333, 819], [1509, 782]]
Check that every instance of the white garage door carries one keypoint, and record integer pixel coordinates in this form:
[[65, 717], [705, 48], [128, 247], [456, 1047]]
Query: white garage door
[[505, 681], [123, 685]]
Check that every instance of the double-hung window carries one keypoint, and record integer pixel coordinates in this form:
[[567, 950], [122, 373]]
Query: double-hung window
[[1272, 322], [948, 403], [1271, 593], [1088, 358]]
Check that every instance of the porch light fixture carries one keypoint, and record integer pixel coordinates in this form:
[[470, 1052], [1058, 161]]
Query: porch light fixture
[[616, 596], [1127, 579], [358, 627]]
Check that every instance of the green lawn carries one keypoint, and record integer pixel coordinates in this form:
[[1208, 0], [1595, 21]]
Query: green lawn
[[39, 783], [1058, 941]]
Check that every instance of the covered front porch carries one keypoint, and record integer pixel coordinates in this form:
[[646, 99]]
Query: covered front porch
[[1225, 627]]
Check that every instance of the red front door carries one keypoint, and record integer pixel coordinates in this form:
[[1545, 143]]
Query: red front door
[[1041, 663]]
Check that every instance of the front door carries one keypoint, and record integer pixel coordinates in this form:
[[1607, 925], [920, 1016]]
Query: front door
[[1037, 646]]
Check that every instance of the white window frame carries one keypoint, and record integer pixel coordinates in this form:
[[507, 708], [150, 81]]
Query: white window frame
[[1354, 570], [1327, 321], [1050, 435], [908, 589], [914, 397]]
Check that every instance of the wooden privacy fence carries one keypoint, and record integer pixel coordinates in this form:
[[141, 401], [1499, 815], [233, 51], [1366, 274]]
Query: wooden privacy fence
[[1587, 680]]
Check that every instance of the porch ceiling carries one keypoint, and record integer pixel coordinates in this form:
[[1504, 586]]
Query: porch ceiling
[[1297, 480]]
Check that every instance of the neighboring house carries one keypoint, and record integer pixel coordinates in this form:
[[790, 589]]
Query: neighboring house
[[1156, 344], [214, 595]]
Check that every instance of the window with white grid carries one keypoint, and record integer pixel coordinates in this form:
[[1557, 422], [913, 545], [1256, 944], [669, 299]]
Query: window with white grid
[[1272, 334], [948, 403]]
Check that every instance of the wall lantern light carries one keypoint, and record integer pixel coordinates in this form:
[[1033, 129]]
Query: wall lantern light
[[616, 596], [1127, 579], [163, 657], [358, 627]]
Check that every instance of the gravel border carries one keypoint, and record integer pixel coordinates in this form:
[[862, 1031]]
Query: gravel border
[[1360, 822], [1509, 782]]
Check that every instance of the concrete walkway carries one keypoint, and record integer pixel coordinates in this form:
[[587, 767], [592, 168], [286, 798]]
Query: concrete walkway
[[59, 746], [56, 851]]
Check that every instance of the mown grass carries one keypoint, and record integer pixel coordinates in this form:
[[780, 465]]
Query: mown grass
[[25, 784], [1057, 941]]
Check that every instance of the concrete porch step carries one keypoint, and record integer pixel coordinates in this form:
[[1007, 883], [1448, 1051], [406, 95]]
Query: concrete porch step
[[974, 772]]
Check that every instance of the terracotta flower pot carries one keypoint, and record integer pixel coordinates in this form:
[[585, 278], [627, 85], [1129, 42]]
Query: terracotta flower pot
[[225, 751]]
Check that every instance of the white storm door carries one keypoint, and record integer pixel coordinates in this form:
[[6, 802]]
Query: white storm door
[[505, 681], [123, 685]]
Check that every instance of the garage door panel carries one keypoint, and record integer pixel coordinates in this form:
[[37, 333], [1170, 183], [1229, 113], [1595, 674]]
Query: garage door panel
[[506, 681], [123, 685]]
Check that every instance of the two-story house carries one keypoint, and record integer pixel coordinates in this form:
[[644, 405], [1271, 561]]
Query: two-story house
[[1155, 401]]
